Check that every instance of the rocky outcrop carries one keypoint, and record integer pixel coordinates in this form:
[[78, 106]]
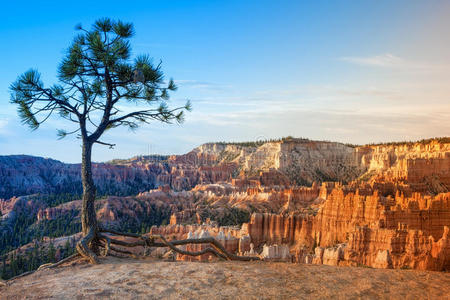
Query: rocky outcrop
[[301, 160], [275, 252], [344, 210], [425, 166], [353, 224], [353, 227], [185, 217], [277, 229], [399, 248], [10, 208], [376, 205], [23, 175]]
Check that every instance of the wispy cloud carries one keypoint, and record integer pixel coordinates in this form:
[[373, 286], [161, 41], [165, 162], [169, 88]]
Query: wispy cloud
[[391, 61], [197, 84], [357, 126], [384, 60]]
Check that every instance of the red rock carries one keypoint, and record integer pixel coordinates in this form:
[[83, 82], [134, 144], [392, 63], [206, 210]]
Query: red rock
[[377, 231]]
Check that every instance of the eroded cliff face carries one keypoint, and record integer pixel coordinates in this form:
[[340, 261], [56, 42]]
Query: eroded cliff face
[[362, 227], [23, 175], [303, 161], [425, 166], [378, 224], [385, 206], [9, 208]]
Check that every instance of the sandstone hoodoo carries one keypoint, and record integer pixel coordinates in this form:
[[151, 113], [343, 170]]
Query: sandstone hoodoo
[[396, 214], [392, 212], [350, 228]]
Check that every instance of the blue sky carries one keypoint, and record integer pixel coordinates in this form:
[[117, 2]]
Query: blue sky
[[350, 71]]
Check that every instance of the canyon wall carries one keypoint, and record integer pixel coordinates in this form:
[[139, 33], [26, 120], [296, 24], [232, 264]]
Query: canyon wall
[[302, 161], [375, 205], [365, 228], [346, 225], [24, 175], [425, 166]]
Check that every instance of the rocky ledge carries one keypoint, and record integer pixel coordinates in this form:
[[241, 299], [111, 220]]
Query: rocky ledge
[[155, 279]]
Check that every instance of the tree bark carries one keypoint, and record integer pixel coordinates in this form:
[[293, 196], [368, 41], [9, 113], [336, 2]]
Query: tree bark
[[88, 215]]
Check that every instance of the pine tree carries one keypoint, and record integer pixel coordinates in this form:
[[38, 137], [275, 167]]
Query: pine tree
[[51, 252], [97, 77]]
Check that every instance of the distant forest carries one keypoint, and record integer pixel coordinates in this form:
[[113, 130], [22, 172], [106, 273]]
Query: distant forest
[[306, 140]]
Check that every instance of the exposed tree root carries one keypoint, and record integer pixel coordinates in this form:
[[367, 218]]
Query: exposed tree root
[[83, 246], [18, 276], [209, 240], [107, 245], [51, 266], [103, 238], [42, 267], [117, 255], [216, 248], [121, 251]]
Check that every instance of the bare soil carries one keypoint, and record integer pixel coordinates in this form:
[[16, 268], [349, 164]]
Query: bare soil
[[118, 278]]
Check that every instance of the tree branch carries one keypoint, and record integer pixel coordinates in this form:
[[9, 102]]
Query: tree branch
[[111, 146]]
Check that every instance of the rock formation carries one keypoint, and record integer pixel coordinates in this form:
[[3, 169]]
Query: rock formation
[[353, 228], [275, 252], [425, 166], [385, 206]]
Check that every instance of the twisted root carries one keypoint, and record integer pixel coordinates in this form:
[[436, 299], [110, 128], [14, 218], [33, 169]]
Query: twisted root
[[42, 267], [51, 266], [102, 238], [216, 248], [83, 246]]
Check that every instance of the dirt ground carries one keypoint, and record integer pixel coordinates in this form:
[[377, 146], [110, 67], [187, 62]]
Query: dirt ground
[[155, 279]]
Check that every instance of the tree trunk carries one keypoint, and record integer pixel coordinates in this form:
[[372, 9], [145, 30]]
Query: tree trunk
[[88, 215]]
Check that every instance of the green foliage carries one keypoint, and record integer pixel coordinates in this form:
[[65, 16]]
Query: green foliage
[[51, 253], [366, 176], [158, 215], [225, 156], [405, 267], [15, 264], [67, 224], [324, 177], [15, 233], [23, 228], [231, 217], [442, 140], [52, 200], [140, 159], [263, 141], [96, 75]]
